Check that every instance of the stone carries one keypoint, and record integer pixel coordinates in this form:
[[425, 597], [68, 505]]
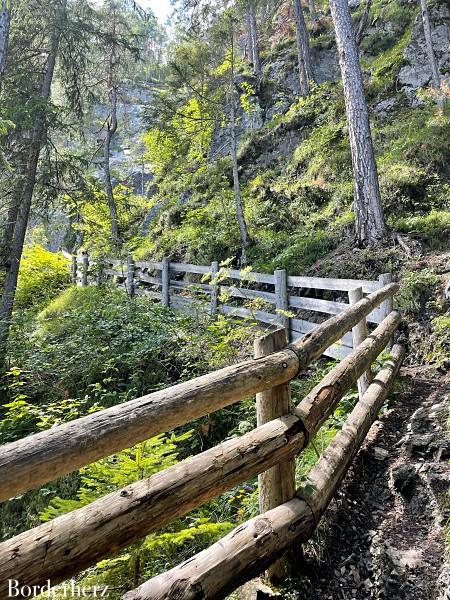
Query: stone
[[416, 72], [404, 479], [421, 440], [383, 108], [256, 589], [380, 453]]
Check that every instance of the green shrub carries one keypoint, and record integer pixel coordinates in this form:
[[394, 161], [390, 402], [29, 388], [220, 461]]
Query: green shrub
[[42, 276], [432, 228], [418, 287], [440, 338]]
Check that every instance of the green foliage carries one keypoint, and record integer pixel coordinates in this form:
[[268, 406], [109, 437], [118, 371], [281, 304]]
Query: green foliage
[[440, 339], [94, 346], [95, 221], [119, 470], [417, 288], [42, 276], [432, 228]]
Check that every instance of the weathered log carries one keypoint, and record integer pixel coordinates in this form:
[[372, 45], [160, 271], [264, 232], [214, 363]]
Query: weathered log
[[329, 471], [68, 544], [281, 298], [251, 547], [37, 459], [236, 558], [317, 406], [311, 346], [165, 281]]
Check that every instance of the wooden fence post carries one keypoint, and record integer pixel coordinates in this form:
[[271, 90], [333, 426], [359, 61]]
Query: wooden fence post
[[130, 276], [214, 287], [281, 298], [387, 306], [165, 281], [277, 485], [84, 275], [359, 333], [74, 269]]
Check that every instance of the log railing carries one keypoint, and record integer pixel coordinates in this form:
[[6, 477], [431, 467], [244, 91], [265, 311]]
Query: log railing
[[284, 296], [63, 547]]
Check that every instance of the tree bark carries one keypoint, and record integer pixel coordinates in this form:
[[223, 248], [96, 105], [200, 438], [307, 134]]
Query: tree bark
[[111, 128], [245, 238], [304, 57], [64, 546], [254, 37], [435, 75], [370, 224], [5, 19], [312, 11], [20, 227], [252, 546], [362, 23]]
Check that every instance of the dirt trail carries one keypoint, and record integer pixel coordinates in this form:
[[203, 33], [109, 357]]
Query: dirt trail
[[383, 537]]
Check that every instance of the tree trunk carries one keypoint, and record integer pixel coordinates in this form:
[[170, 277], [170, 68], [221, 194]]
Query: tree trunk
[[370, 224], [23, 212], [312, 11], [436, 78], [251, 58], [362, 23], [5, 18], [111, 128], [245, 239], [304, 57], [254, 37]]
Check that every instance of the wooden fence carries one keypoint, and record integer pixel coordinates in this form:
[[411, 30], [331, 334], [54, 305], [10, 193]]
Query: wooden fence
[[61, 548], [288, 301]]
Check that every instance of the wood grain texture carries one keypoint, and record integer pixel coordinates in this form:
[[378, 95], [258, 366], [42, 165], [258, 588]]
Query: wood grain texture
[[40, 458], [277, 484], [359, 334], [253, 546], [68, 544], [334, 463], [233, 560], [317, 406], [37, 459]]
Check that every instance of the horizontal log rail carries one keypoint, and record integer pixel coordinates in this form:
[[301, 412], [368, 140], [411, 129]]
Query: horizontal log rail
[[66, 545], [37, 459], [254, 545]]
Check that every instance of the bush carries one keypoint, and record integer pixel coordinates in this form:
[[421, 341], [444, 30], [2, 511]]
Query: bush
[[440, 355], [42, 276], [432, 228], [418, 287]]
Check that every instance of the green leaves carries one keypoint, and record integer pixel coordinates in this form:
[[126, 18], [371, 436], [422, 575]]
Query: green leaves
[[42, 276]]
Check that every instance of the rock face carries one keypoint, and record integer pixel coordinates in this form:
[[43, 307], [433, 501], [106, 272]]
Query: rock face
[[417, 73]]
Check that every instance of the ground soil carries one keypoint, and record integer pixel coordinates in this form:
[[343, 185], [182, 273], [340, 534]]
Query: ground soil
[[383, 536]]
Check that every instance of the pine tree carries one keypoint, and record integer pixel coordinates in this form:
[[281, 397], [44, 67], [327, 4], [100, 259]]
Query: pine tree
[[370, 224]]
